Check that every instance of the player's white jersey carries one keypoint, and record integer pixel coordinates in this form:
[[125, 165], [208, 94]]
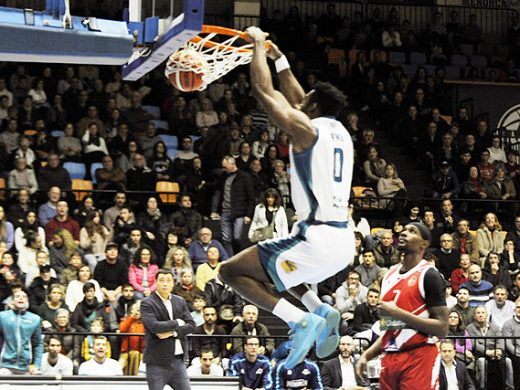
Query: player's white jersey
[[321, 176]]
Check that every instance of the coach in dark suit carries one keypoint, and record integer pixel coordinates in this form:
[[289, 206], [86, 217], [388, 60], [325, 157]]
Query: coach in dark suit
[[167, 321], [331, 375], [464, 382]]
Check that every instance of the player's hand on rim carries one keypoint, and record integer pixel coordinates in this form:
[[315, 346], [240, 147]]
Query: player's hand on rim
[[256, 34], [273, 51]]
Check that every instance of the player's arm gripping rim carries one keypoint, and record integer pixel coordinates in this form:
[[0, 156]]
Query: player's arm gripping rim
[[294, 122]]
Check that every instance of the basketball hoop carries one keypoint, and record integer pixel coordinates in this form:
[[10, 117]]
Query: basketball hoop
[[221, 54]]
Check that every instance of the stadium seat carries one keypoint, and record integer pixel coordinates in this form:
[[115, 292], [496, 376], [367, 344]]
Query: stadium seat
[[80, 188], [76, 170], [459, 59], [378, 231], [57, 133], [447, 118], [171, 152], [163, 125], [168, 191], [409, 69], [154, 111], [466, 49], [2, 188], [417, 58], [396, 57], [30, 132], [194, 138], [452, 72], [93, 171], [170, 141], [478, 61]]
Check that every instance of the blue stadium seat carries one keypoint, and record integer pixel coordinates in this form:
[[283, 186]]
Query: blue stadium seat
[[153, 111], [57, 133], [163, 125], [171, 152], [459, 60], [170, 141], [93, 170], [478, 61], [76, 170], [194, 138]]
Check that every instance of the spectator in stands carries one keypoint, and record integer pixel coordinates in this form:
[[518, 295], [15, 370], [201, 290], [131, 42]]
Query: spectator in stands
[[187, 288], [489, 237], [54, 175], [373, 167], [446, 219], [18, 211], [34, 256], [385, 252], [244, 157], [47, 211], [39, 288], [359, 223], [160, 163], [151, 221], [426, 146], [100, 364], [109, 177], [486, 168], [54, 363], [496, 151], [119, 144], [183, 157], [141, 273], [199, 248], [339, 372], [22, 349], [464, 241], [111, 273], [447, 255], [511, 332], [500, 309], [93, 238], [261, 181], [177, 259], [48, 309], [110, 215], [186, 221], [445, 183], [208, 270], [304, 375], [474, 187], [480, 290], [463, 345], [75, 294], [490, 353], [85, 207], [463, 307], [237, 204], [10, 276], [453, 373], [24, 151], [350, 294], [124, 302], [69, 146], [391, 186], [370, 273], [148, 141], [461, 274], [280, 180], [252, 368], [94, 147], [462, 165], [494, 273], [140, 178], [216, 345], [446, 151], [132, 347], [135, 116], [228, 303], [205, 365], [126, 233], [512, 167], [63, 246], [62, 220], [9, 137], [270, 212], [251, 326], [366, 313], [6, 229], [22, 177], [501, 186]]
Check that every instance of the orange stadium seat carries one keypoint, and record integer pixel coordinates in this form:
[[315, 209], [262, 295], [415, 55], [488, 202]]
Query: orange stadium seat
[[168, 191], [81, 188]]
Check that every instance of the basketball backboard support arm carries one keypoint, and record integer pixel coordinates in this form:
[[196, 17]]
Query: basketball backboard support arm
[[41, 36], [180, 30]]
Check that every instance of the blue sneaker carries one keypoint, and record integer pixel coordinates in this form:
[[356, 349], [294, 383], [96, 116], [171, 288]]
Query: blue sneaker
[[328, 338], [304, 336]]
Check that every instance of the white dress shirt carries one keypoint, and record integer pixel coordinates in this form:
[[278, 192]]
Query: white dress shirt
[[168, 304], [348, 376]]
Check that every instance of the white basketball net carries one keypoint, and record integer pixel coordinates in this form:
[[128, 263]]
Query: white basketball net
[[219, 60]]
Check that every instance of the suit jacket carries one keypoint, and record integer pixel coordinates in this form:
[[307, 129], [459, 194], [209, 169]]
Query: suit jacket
[[465, 382], [156, 320], [331, 375]]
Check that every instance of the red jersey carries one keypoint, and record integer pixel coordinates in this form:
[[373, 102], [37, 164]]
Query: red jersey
[[408, 293]]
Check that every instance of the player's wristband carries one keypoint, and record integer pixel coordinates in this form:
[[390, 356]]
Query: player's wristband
[[281, 64]]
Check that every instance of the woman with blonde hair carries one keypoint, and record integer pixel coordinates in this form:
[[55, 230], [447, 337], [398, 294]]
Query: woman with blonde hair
[[489, 237], [93, 239], [391, 186], [62, 248], [55, 301], [177, 258]]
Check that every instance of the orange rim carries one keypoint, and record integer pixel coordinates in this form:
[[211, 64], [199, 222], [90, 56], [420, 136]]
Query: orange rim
[[207, 29]]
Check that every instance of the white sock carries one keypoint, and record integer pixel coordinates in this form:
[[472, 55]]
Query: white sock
[[288, 312], [311, 301]]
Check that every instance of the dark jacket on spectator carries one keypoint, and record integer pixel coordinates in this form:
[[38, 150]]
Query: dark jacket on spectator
[[85, 313], [364, 317], [463, 378], [242, 195], [111, 276], [38, 292], [49, 177], [217, 345], [185, 222]]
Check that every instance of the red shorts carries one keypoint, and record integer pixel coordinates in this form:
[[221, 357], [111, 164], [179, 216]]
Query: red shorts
[[417, 369]]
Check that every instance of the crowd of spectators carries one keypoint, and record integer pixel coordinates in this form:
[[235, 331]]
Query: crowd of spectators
[[87, 263]]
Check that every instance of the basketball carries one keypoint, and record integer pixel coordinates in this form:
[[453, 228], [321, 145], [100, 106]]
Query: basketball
[[185, 70]]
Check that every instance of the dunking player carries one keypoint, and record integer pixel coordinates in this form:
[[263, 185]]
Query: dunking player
[[413, 311], [321, 242]]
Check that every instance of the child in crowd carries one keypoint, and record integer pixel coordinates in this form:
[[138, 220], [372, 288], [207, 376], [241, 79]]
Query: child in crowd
[[87, 347], [71, 272], [132, 347], [198, 303]]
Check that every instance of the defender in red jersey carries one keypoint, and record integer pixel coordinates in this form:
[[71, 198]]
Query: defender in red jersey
[[413, 315]]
